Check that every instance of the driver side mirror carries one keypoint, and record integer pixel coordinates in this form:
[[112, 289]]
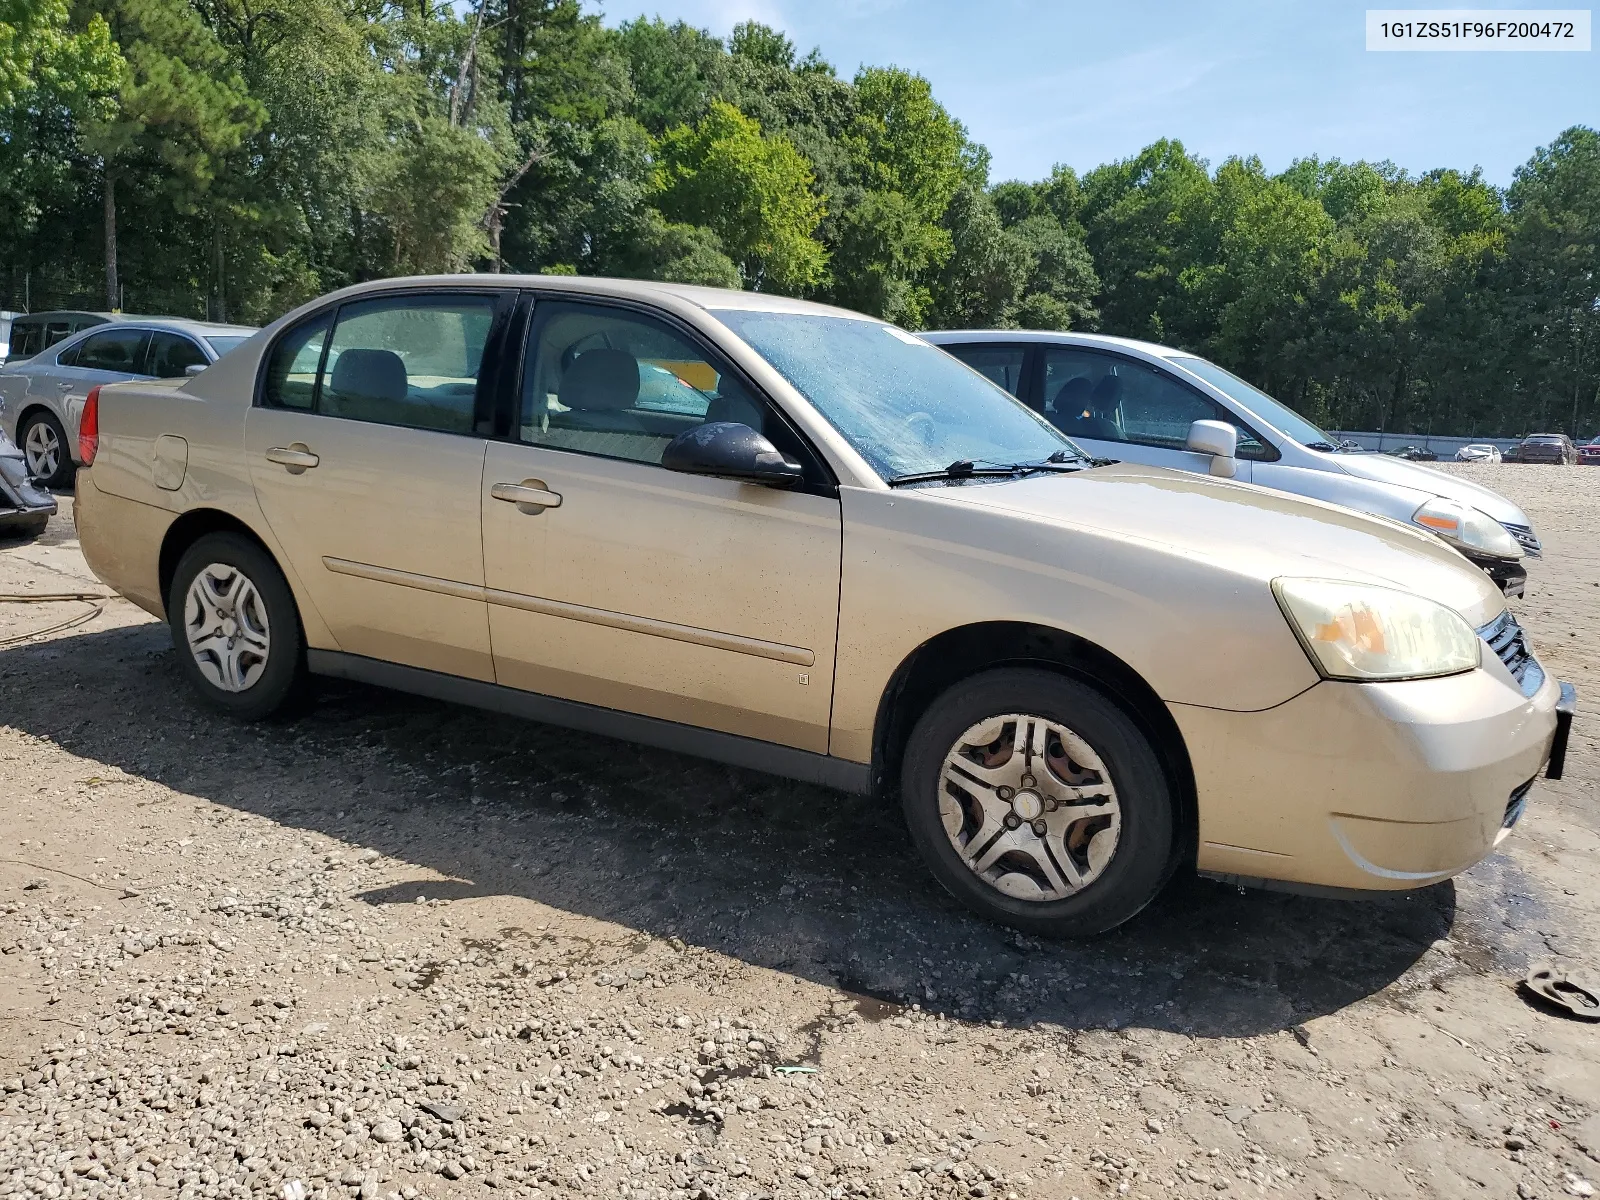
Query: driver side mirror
[[730, 450], [195, 368], [1220, 440]]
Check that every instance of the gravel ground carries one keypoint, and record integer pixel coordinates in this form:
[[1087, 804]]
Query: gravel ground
[[394, 947]]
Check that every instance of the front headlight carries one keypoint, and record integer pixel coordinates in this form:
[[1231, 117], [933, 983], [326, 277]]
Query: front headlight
[[1358, 631], [1466, 528]]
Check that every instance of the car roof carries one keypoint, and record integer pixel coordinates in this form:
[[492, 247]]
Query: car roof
[[1105, 341], [68, 314], [709, 298], [182, 325]]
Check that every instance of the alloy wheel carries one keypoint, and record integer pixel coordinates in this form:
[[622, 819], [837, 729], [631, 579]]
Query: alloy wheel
[[41, 448], [1030, 808], [225, 620]]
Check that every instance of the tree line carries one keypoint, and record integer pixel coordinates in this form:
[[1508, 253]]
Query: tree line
[[232, 158]]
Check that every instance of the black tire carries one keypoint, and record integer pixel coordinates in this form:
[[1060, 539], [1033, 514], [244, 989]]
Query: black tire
[[1142, 860], [66, 469], [282, 676]]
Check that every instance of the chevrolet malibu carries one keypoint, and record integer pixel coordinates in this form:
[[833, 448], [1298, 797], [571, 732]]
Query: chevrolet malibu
[[801, 540]]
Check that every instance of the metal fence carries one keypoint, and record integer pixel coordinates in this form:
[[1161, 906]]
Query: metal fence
[[1444, 447]]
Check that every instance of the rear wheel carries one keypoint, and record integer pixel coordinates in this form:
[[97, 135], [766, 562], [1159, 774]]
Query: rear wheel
[[44, 447], [1038, 803], [236, 628]]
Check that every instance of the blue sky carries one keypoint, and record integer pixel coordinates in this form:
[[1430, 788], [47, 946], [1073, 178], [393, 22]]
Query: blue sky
[[1081, 83]]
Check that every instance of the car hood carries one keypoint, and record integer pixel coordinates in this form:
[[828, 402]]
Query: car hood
[[1251, 531], [1385, 469]]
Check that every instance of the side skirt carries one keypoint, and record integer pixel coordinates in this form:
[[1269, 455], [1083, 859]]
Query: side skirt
[[802, 765]]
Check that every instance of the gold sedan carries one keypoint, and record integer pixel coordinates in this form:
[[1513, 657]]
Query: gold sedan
[[801, 540]]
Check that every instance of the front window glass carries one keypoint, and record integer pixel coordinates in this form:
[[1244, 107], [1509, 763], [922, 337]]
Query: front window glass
[[222, 343], [1108, 398], [904, 405], [171, 355], [1280, 416], [616, 383]]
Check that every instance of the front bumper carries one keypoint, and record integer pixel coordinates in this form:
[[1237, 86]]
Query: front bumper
[[1509, 575], [1368, 787]]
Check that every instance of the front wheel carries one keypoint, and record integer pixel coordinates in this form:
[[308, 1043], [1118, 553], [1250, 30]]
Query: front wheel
[[1038, 803], [236, 628]]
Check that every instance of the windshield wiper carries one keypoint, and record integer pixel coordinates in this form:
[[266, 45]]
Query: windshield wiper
[[967, 468], [962, 468]]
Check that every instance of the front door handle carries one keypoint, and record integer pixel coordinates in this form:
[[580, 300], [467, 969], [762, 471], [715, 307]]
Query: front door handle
[[529, 496], [296, 457]]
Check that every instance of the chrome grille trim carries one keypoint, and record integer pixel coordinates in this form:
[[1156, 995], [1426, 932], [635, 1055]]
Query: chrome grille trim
[[1525, 538], [1510, 646]]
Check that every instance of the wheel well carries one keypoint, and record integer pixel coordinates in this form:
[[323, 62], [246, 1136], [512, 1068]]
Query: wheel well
[[28, 411], [956, 654], [190, 528]]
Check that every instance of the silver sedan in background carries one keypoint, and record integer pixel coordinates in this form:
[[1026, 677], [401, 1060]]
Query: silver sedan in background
[[1139, 402], [1479, 452], [42, 397]]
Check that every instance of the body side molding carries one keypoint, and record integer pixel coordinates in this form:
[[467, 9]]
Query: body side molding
[[650, 626]]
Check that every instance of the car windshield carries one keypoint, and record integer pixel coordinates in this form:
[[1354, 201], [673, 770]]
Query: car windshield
[[1280, 416], [904, 405], [223, 342]]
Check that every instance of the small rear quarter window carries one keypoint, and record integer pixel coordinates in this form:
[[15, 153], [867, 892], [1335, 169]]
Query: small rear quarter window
[[292, 370]]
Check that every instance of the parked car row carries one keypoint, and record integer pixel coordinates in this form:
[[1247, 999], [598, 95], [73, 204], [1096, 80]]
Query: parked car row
[[799, 539]]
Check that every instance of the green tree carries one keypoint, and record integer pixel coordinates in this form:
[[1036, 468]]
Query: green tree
[[755, 192], [1149, 229], [179, 103], [1060, 285], [1554, 272]]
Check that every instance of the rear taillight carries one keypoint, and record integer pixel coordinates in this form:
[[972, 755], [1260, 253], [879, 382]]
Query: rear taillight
[[89, 428]]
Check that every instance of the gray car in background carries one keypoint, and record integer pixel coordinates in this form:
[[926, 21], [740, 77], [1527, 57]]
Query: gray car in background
[[1139, 402], [42, 397]]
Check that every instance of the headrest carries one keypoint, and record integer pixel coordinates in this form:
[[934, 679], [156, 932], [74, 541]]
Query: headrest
[[1072, 397], [1104, 397], [369, 374], [600, 380]]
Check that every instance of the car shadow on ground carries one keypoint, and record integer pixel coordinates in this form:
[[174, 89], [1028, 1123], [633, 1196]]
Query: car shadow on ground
[[790, 877]]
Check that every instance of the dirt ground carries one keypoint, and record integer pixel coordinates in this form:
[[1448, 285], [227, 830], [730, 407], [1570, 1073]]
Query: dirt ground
[[398, 947]]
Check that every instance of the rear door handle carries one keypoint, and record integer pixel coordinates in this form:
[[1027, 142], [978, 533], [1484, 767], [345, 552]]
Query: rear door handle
[[296, 457], [530, 495], [64, 384]]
